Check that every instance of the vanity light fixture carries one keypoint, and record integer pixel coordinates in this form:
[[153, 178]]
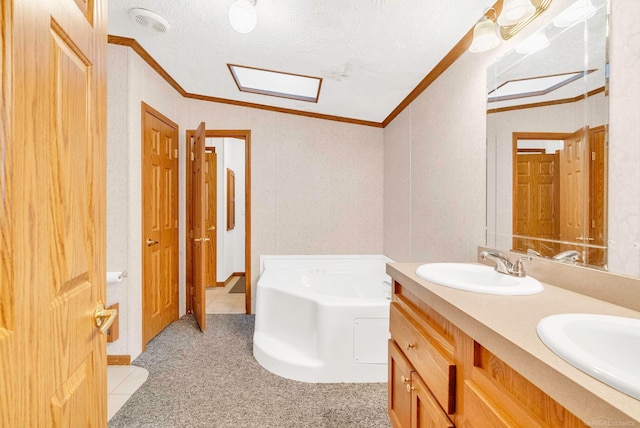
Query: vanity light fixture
[[243, 16], [485, 36], [515, 15], [514, 11]]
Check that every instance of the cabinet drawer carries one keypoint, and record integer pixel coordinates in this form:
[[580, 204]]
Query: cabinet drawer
[[433, 365]]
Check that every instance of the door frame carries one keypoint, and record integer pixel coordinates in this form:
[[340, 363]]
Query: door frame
[[242, 134], [146, 108]]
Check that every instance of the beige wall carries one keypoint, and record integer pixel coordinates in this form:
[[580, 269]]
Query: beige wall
[[435, 153], [131, 81], [316, 184], [435, 169]]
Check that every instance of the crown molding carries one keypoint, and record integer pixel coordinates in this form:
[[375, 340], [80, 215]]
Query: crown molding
[[137, 48]]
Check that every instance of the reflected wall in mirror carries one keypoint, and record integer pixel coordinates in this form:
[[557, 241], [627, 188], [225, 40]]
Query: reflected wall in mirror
[[547, 120]]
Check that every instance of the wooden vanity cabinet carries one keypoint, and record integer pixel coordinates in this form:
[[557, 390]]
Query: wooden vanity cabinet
[[422, 371], [441, 377]]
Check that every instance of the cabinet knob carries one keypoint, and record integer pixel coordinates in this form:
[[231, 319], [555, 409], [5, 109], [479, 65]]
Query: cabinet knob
[[410, 388], [404, 379], [408, 345]]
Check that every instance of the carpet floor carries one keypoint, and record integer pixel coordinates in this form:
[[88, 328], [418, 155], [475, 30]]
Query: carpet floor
[[212, 380]]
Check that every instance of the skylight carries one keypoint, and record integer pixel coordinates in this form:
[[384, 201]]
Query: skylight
[[276, 83], [514, 89]]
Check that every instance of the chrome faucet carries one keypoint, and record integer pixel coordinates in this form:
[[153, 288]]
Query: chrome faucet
[[567, 256], [504, 265]]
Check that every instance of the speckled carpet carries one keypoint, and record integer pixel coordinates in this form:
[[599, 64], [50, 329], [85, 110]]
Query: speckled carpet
[[212, 380]]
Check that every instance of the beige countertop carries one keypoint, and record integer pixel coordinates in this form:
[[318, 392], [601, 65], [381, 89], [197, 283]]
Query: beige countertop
[[506, 326]]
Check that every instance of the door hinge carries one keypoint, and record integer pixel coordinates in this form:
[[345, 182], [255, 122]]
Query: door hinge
[[593, 156], [193, 157], [175, 153]]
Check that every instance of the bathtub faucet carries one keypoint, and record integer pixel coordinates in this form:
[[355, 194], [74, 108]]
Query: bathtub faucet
[[504, 265]]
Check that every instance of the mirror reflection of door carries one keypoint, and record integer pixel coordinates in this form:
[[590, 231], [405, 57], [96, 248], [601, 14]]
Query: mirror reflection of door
[[551, 209]]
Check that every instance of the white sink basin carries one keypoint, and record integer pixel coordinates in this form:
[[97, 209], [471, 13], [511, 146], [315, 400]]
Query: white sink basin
[[478, 278], [605, 347]]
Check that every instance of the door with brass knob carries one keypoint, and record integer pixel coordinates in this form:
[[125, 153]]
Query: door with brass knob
[[159, 223], [53, 213], [200, 245]]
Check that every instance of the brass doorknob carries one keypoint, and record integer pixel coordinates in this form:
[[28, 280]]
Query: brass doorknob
[[201, 239], [211, 228], [103, 317], [151, 242]]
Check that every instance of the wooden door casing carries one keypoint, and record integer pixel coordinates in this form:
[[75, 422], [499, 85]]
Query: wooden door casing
[[200, 244], [52, 220], [160, 222]]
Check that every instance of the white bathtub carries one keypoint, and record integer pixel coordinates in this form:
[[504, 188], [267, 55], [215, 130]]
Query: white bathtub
[[323, 318]]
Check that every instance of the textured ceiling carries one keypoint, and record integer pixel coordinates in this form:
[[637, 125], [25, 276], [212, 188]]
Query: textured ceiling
[[370, 53]]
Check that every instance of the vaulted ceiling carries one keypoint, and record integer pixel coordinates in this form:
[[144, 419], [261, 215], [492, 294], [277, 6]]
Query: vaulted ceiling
[[370, 53]]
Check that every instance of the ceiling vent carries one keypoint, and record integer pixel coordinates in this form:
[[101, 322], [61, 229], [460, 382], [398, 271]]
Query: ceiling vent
[[151, 21]]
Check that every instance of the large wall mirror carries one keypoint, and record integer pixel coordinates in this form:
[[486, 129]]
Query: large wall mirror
[[547, 120]]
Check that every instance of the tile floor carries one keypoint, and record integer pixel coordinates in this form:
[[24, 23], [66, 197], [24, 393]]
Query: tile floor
[[220, 301], [122, 382]]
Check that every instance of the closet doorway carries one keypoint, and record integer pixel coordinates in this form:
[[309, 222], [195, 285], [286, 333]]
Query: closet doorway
[[226, 240]]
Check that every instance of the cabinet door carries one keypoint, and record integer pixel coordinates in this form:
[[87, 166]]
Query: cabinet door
[[399, 402], [425, 410]]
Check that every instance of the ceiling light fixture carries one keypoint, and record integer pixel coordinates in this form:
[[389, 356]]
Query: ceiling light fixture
[[515, 15], [243, 16]]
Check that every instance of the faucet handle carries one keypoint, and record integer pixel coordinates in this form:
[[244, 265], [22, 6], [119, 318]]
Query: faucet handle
[[518, 267]]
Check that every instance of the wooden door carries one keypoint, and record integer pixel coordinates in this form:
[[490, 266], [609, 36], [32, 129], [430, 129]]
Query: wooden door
[[160, 223], [573, 183], [52, 216], [597, 195], [210, 195], [200, 240], [535, 201]]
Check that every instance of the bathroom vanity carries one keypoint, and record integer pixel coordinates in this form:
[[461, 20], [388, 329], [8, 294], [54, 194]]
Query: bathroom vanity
[[464, 359]]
